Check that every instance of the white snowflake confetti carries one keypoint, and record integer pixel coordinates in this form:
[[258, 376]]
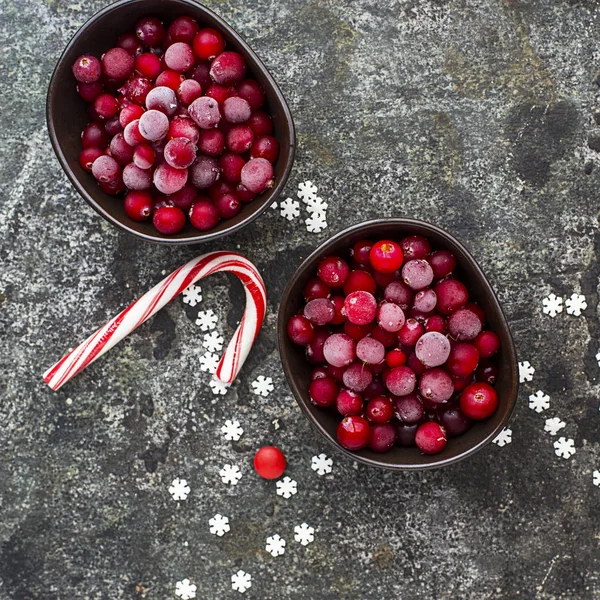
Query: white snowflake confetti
[[503, 438], [275, 545], [232, 430], [287, 487], [263, 386], [564, 447], [526, 371], [539, 401], [552, 305], [206, 320], [219, 525], [575, 304], [304, 534], [274, 206], [316, 205], [179, 489], [218, 387], [241, 581], [185, 590], [230, 474], [289, 209], [554, 425], [213, 342], [596, 478], [316, 223], [321, 464], [307, 191], [192, 295], [209, 362], [598, 358]]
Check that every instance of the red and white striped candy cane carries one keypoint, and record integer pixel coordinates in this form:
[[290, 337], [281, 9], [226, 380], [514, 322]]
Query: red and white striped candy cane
[[151, 302]]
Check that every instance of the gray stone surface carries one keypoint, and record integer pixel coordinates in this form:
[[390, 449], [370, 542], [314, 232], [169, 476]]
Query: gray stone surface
[[470, 114]]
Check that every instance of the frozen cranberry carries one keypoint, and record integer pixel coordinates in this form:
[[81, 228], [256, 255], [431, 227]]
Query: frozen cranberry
[[136, 178], [204, 172], [390, 317], [231, 166], [319, 311], [138, 205], [370, 351], [475, 308], [220, 93], [361, 307], [487, 372], [436, 385], [208, 43], [130, 43], [153, 125], [408, 409], [417, 274], [386, 256], [353, 433], [228, 68], [315, 288], [183, 29], [220, 188], [94, 135], [415, 246], [395, 358], [269, 462], [405, 434], [260, 123], [463, 360], [205, 112], [478, 401], [239, 139], [132, 134], [181, 127], [442, 263], [410, 332], [379, 409], [188, 91], [357, 377], [265, 147], [88, 156], [169, 180], [143, 156], [179, 57], [401, 381], [150, 31], [432, 349], [180, 153], [169, 220], [359, 280], [204, 215], [163, 99], [454, 421], [106, 169], [333, 271], [237, 110], [137, 90], [170, 79], [349, 403], [436, 323], [383, 437], [147, 64], [212, 143], [425, 300], [398, 293], [120, 150], [113, 188], [106, 106], [464, 324], [87, 69], [117, 63], [228, 205], [487, 344], [431, 438], [90, 91], [250, 90], [130, 113], [339, 350], [323, 392], [451, 295]]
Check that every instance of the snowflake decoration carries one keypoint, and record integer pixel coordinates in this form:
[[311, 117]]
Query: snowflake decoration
[[230, 474], [564, 447], [275, 545], [241, 581], [262, 386], [185, 590], [192, 295], [554, 425], [539, 401], [307, 191], [219, 525], [575, 304], [598, 358], [316, 205], [179, 489], [206, 320], [316, 223], [304, 534], [209, 362], [274, 206], [321, 464], [232, 430], [552, 305], [596, 478], [213, 342], [218, 387], [503, 438], [287, 487], [289, 209], [526, 371]]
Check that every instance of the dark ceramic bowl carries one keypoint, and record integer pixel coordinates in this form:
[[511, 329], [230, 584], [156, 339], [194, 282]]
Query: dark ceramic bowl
[[67, 116], [297, 369]]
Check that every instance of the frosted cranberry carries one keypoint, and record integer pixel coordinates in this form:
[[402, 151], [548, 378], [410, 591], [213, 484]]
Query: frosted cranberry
[[136, 178], [169, 220], [163, 99], [180, 153], [212, 143], [130, 113], [120, 150], [386, 256], [319, 372], [113, 188], [454, 421], [415, 246], [185, 197], [90, 91], [205, 112], [417, 274], [106, 169], [244, 195], [181, 127], [265, 147], [150, 31], [183, 29], [250, 90], [398, 293], [153, 125], [188, 91], [357, 377], [478, 401], [204, 172], [357, 332], [228, 206], [204, 215], [387, 338], [169, 180], [353, 432], [315, 288], [487, 372], [208, 43], [257, 175], [349, 403], [87, 69], [395, 358], [170, 79], [231, 166], [390, 317], [463, 360], [359, 280], [432, 349], [451, 295], [436, 323], [436, 385], [408, 409], [333, 271], [323, 392], [88, 156], [132, 134], [487, 344], [220, 93], [228, 68], [94, 135], [361, 307], [148, 65], [368, 350], [106, 106], [464, 324], [143, 156], [405, 434], [117, 63], [460, 383], [237, 110], [179, 57], [383, 437], [379, 409], [239, 139], [410, 333], [138, 205], [260, 123], [137, 90], [431, 438], [319, 311], [401, 381], [220, 188], [339, 350], [442, 263], [130, 43], [425, 300], [315, 350], [475, 308]]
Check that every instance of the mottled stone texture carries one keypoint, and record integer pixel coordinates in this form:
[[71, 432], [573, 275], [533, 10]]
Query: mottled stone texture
[[473, 115]]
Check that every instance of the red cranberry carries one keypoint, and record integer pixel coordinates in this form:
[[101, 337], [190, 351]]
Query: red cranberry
[[169, 180], [401, 381], [200, 73], [94, 135], [336, 372], [265, 147], [239, 139], [117, 63], [179, 57], [150, 31], [318, 373], [442, 263], [359, 281], [375, 388], [361, 251], [387, 338], [353, 433], [339, 350], [398, 293], [408, 409], [106, 106], [395, 358], [451, 296], [130, 113], [478, 401], [228, 68], [138, 205], [390, 317], [170, 79], [260, 123], [148, 65], [180, 127], [406, 434], [204, 172], [220, 188], [315, 288], [220, 93], [120, 150], [208, 43], [460, 383], [463, 360], [231, 166], [169, 220], [413, 363], [88, 156], [383, 437], [487, 344], [106, 169], [144, 156], [333, 271], [183, 29], [180, 153], [386, 256], [436, 323], [188, 91], [431, 438], [250, 90], [379, 409], [113, 188], [90, 91], [417, 274], [454, 421], [357, 377], [410, 332], [487, 372], [349, 403], [212, 143], [323, 392], [130, 43], [204, 215], [228, 206], [319, 311], [415, 246], [87, 69], [340, 315], [269, 462]]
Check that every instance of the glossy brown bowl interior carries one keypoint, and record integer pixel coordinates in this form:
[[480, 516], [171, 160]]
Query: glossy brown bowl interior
[[66, 114], [297, 369]]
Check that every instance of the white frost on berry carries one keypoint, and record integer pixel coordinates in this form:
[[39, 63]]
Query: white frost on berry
[[552, 305], [206, 320], [316, 223], [179, 489], [213, 341], [307, 191], [526, 371], [192, 295], [539, 401], [554, 425], [209, 362], [232, 430], [262, 386], [503, 438], [596, 478], [275, 545], [316, 205], [219, 525], [322, 464], [185, 590], [287, 487], [241, 581], [564, 447], [304, 534], [575, 304], [218, 387], [289, 209], [230, 474]]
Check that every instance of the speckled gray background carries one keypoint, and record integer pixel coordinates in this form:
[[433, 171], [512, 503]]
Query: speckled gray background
[[472, 114]]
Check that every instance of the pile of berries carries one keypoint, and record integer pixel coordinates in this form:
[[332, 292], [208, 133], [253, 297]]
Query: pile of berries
[[176, 122], [400, 351]]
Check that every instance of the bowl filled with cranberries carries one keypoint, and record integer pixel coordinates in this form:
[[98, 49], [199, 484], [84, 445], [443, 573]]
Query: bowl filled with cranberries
[[396, 348], [167, 122]]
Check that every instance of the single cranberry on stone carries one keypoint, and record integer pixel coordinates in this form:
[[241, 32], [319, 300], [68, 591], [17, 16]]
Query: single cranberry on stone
[[269, 462], [353, 432]]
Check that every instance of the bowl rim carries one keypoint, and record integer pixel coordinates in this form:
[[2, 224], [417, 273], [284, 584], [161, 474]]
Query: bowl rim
[[201, 237], [286, 362]]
